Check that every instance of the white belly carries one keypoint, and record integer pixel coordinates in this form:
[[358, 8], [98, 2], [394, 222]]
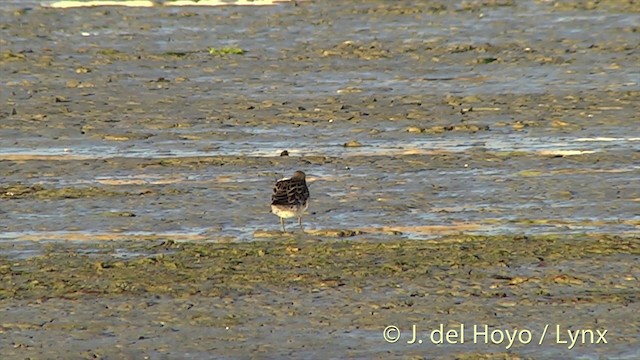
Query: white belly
[[287, 211]]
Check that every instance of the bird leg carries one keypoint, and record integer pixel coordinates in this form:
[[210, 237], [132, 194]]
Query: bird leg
[[282, 223], [300, 221]]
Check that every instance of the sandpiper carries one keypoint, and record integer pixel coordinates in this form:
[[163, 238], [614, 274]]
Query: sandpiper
[[290, 198]]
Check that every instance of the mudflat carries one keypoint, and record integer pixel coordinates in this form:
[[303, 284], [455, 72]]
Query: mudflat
[[470, 165]]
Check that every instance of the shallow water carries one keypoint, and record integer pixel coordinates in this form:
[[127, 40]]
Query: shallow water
[[117, 125], [360, 94]]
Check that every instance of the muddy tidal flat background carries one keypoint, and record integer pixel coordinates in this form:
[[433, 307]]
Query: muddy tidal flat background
[[470, 163]]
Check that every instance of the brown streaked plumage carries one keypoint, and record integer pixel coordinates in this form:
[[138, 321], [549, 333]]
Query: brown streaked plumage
[[290, 197]]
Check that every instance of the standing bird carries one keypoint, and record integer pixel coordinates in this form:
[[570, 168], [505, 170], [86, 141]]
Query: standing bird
[[290, 197]]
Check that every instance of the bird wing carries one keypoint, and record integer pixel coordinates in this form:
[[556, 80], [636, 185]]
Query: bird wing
[[289, 192]]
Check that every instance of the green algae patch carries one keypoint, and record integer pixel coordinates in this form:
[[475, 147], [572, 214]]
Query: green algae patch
[[114, 54], [118, 214], [18, 191], [37, 191], [226, 51], [11, 56], [323, 233], [214, 269], [530, 173]]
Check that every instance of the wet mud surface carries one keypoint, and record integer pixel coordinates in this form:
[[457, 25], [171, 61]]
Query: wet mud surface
[[305, 297], [449, 149]]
